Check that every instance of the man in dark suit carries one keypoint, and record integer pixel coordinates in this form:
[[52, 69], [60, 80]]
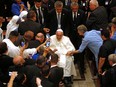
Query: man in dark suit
[[45, 74], [30, 24], [41, 12], [109, 77], [98, 18], [45, 71], [49, 4], [32, 71], [77, 17], [58, 19], [56, 73]]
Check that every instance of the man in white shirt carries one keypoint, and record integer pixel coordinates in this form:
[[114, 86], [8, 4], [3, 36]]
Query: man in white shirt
[[13, 50], [62, 45]]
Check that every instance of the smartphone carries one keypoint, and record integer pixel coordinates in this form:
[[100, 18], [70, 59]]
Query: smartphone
[[22, 43], [47, 36], [10, 73], [47, 43]]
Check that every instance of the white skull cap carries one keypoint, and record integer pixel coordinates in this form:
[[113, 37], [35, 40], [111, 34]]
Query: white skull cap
[[59, 30]]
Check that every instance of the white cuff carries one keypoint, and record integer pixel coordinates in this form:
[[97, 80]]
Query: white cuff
[[40, 86]]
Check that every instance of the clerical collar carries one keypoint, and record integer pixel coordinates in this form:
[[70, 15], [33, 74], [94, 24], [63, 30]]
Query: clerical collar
[[114, 64]]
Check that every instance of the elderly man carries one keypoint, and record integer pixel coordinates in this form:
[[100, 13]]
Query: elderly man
[[59, 19], [98, 18], [41, 12], [109, 77], [77, 17], [62, 45]]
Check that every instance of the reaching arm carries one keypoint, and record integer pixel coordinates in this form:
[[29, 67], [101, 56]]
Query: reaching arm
[[38, 82], [13, 75], [100, 65]]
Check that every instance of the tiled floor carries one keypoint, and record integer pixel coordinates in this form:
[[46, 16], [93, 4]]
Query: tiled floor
[[88, 82]]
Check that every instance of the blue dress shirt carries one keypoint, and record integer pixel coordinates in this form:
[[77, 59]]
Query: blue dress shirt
[[92, 39], [114, 36]]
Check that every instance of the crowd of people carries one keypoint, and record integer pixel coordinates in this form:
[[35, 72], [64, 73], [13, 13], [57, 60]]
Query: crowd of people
[[44, 39]]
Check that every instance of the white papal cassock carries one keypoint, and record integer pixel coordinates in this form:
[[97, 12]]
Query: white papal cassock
[[63, 46]]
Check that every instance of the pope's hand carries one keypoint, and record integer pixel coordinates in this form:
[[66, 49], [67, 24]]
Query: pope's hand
[[69, 53]]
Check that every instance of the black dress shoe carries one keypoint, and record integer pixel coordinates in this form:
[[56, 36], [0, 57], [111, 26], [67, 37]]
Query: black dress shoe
[[82, 76], [65, 80], [68, 80]]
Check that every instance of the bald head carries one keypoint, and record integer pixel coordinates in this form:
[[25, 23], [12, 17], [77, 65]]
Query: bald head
[[40, 37], [59, 34], [28, 35], [18, 60]]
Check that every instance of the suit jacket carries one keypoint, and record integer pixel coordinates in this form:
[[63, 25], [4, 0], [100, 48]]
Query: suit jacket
[[31, 71], [5, 63], [80, 19], [45, 13], [98, 19], [49, 5], [44, 82], [109, 79], [29, 25], [56, 75], [52, 23]]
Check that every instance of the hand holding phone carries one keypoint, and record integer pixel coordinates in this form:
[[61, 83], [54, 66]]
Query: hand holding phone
[[48, 41]]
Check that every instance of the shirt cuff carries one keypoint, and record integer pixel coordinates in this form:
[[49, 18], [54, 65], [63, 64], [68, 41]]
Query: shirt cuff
[[40, 86]]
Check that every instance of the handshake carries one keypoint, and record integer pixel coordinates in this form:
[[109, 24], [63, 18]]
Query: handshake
[[70, 53]]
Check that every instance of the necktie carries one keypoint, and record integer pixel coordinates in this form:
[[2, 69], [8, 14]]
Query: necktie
[[74, 18], [40, 16], [59, 24]]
